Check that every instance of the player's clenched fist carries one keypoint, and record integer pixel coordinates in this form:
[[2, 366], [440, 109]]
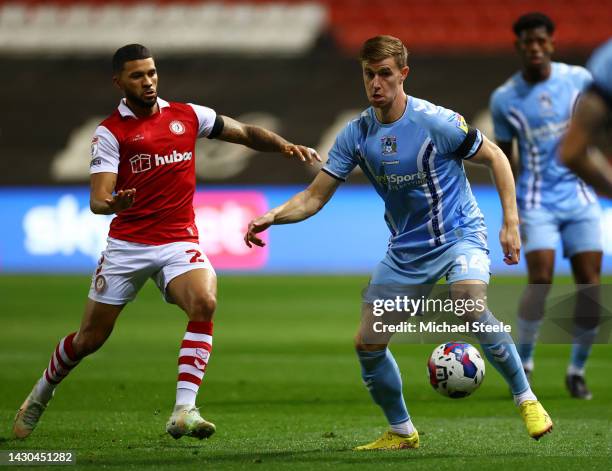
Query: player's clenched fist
[[256, 226], [305, 154], [121, 200]]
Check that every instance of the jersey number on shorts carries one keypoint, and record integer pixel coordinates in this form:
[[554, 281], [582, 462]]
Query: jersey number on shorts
[[476, 263], [196, 256]]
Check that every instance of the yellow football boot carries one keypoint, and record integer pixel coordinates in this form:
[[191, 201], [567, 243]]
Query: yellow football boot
[[392, 441], [536, 419]]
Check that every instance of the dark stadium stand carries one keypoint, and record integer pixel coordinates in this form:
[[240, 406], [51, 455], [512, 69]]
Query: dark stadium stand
[[306, 95], [290, 61]]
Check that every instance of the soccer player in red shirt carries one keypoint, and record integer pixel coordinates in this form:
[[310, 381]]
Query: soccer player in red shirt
[[143, 170]]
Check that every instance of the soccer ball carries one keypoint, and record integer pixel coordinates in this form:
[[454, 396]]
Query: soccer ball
[[455, 369]]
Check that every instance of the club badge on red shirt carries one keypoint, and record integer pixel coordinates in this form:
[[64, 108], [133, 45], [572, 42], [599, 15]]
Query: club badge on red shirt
[[177, 127]]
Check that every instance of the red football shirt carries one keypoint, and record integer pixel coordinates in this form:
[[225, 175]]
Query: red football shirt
[[155, 155]]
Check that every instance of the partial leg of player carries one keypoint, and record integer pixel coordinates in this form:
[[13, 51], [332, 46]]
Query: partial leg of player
[[195, 292], [96, 326], [540, 267], [586, 267], [501, 352], [381, 376]]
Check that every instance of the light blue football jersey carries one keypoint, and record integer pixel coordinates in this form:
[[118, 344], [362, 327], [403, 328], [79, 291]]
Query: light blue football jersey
[[416, 166], [538, 115], [600, 65]]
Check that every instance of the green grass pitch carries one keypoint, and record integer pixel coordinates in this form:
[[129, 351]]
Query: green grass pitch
[[283, 387]]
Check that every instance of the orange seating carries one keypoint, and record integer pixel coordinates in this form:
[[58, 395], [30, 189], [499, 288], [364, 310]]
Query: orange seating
[[474, 25]]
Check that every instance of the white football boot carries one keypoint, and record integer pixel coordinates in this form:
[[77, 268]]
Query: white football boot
[[187, 421], [28, 416]]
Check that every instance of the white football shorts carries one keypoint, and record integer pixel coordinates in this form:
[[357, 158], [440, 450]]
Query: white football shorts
[[124, 267]]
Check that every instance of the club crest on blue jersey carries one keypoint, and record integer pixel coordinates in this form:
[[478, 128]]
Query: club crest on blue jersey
[[389, 145], [546, 104]]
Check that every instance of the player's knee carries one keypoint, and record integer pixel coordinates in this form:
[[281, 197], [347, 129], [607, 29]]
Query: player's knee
[[202, 308], [540, 278]]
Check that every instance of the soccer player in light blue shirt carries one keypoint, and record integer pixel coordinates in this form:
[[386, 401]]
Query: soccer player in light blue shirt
[[534, 108], [592, 126], [412, 152]]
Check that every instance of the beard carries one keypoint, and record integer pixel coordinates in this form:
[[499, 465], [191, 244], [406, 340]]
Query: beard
[[143, 103]]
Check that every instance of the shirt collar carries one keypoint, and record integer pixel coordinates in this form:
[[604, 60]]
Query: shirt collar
[[126, 112]]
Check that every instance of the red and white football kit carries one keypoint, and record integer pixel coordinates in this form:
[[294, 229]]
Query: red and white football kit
[[157, 237]]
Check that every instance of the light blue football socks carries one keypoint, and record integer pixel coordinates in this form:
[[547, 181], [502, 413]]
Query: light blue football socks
[[381, 376], [501, 352], [527, 336], [581, 349]]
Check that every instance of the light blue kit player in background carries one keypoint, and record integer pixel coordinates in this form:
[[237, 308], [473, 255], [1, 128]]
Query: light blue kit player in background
[[534, 107], [600, 65], [412, 152], [591, 126]]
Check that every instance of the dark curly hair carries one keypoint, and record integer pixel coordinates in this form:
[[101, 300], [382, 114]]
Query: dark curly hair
[[130, 52], [533, 20]]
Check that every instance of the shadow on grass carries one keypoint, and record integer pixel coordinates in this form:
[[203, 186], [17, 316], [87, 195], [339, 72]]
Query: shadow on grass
[[280, 401], [322, 457]]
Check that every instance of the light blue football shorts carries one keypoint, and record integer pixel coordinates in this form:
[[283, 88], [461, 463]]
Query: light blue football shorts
[[579, 229], [465, 259]]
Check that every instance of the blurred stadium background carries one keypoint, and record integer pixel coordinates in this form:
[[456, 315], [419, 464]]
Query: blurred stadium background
[[288, 65]]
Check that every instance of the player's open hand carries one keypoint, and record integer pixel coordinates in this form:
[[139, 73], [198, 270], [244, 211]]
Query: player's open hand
[[256, 226], [121, 200], [510, 240], [305, 154]]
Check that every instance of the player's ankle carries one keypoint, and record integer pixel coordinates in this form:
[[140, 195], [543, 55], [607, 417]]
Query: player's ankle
[[573, 370], [43, 391], [526, 395], [404, 429]]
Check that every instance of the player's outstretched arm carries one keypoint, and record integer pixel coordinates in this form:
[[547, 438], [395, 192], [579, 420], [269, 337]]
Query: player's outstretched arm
[[299, 207], [507, 149], [263, 140], [101, 197], [493, 157], [591, 167]]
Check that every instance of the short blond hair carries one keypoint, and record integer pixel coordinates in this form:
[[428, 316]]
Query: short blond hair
[[382, 47]]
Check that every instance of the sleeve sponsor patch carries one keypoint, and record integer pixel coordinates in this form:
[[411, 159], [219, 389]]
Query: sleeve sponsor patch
[[95, 162], [461, 124], [94, 146]]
